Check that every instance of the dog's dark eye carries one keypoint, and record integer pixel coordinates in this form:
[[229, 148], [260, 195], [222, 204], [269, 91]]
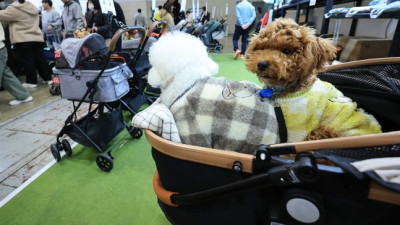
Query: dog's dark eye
[[287, 51]]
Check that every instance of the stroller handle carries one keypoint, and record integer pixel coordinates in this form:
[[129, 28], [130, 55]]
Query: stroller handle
[[154, 25], [119, 33]]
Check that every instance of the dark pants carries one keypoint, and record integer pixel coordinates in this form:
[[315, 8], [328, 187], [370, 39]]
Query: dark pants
[[8, 80], [245, 35], [31, 56]]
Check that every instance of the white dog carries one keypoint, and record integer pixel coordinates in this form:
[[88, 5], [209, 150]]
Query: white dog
[[210, 112]]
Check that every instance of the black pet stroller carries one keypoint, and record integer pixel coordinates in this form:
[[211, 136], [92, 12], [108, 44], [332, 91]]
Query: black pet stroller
[[88, 76], [135, 53], [197, 185]]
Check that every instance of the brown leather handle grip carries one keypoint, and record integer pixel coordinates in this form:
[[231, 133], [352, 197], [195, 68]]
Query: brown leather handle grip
[[162, 194], [154, 24]]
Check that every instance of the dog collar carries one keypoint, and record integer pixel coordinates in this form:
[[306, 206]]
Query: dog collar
[[271, 91]]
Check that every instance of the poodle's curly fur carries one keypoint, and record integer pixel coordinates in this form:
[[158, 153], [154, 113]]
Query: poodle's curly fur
[[178, 60], [285, 53], [287, 57]]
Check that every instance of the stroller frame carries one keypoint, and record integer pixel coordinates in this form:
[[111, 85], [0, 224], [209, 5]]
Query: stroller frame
[[208, 37], [78, 127], [198, 185]]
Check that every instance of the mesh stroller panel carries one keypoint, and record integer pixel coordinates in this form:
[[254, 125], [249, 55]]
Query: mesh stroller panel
[[76, 50], [376, 88]]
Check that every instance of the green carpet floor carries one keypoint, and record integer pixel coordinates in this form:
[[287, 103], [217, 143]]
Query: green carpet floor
[[76, 191]]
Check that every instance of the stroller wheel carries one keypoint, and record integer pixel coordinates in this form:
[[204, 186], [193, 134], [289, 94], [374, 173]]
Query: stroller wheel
[[67, 147], [104, 162], [136, 132], [55, 90], [218, 49], [55, 152]]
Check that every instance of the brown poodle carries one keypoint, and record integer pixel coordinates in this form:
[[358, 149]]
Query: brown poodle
[[286, 57]]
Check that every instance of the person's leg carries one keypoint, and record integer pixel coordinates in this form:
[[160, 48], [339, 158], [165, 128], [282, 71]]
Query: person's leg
[[245, 36], [8, 80], [235, 38], [41, 64], [50, 40], [27, 59]]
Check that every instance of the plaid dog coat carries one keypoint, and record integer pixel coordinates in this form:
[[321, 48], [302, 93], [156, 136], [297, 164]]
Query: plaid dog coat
[[222, 114]]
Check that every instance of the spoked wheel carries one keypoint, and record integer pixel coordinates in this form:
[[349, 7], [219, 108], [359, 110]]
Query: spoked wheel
[[67, 147], [136, 132], [55, 151], [104, 162]]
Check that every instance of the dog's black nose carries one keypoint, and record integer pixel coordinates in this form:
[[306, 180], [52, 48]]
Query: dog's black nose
[[262, 66]]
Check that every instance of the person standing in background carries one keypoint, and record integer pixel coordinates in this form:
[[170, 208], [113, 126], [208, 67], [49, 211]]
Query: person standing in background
[[7, 79], [245, 15], [27, 40], [205, 16], [72, 18], [99, 22], [139, 19], [259, 19], [157, 16], [166, 15], [114, 26], [51, 23], [176, 11]]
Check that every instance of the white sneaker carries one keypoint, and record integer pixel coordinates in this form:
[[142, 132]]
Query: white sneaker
[[49, 82], [27, 85], [17, 102]]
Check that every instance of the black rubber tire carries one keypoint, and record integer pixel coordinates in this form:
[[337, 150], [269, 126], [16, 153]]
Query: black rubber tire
[[55, 152], [104, 162], [67, 147], [136, 133]]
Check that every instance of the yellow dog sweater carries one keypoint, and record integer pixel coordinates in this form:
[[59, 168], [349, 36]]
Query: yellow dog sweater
[[323, 104]]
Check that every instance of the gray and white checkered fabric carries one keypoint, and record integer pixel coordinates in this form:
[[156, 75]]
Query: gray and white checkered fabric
[[223, 114]]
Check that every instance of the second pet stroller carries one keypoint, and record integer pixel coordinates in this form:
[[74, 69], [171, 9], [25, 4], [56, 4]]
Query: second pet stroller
[[211, 33], [88, 77]]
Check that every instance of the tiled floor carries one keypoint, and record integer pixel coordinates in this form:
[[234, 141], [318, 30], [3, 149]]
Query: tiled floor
[[28, 130]]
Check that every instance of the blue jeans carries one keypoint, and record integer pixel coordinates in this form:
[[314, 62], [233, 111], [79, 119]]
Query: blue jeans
[[50, 40], [236, 35]]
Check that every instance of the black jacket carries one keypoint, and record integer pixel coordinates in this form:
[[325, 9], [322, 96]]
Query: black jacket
[[102, 23]]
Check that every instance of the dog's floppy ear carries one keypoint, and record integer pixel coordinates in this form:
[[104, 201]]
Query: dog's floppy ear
[[325, 52], [254, 42]]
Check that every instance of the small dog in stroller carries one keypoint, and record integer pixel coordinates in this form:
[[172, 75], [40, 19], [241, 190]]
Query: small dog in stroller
[[211, 112], [286, 57]]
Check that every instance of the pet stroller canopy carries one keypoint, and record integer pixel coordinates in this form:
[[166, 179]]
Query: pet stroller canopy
[[76, 50]]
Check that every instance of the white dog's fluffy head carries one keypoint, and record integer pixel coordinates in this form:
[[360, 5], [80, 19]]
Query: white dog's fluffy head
[[179, 58]]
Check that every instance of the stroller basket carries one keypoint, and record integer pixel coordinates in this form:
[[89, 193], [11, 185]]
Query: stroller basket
[[197, 185], [96, 128]]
